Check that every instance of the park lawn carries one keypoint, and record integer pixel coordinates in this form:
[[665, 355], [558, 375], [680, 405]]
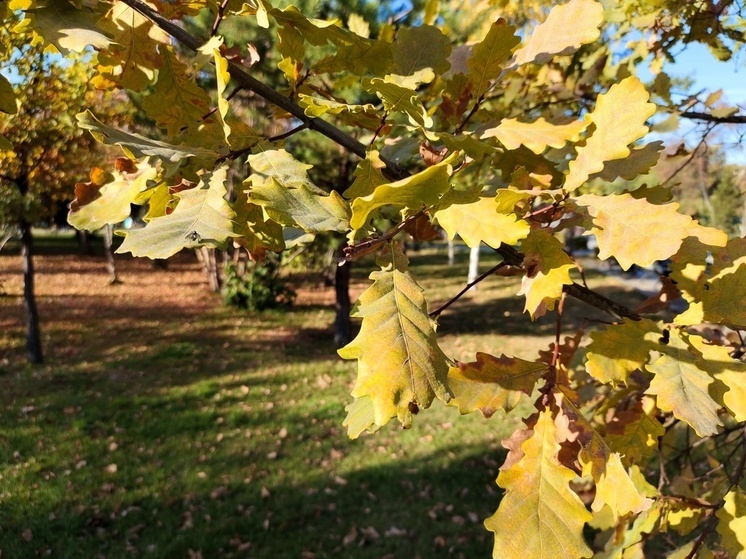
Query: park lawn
[[165, 425]]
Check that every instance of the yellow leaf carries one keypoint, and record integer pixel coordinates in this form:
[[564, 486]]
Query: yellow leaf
[[635, 432], [619, 119], [539, 516], [491, 383], [637, 232], [222, 77], [202, 217], [619, 349], [722, 301], [537, 135], [548, 271], [732, 523], [488, 56], [566, 28], [360, 417], [368, 176], [479, 221], [400, 365], [616, 490], [413, 192], [682, 387]]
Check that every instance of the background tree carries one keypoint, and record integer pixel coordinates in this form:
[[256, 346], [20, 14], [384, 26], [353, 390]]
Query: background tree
[[46, 152]]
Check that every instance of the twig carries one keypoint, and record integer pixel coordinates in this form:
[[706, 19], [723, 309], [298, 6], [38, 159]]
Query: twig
[[436, 313], [689, 159], [558, 332], [472, 112], [230, 96], [368, 246], [733, 119], [219, 17], [289, 133]]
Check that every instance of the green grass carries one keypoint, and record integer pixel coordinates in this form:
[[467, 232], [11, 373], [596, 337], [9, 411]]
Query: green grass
[[223, 436]]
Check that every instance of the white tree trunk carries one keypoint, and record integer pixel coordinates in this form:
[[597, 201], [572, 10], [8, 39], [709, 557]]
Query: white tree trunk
[[473, 265], [451, 252]]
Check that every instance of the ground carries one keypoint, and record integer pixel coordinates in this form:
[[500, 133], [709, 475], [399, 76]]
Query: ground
[[166, 425]]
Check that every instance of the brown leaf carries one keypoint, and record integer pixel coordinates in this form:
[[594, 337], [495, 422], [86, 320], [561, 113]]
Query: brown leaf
[[432, 155], [125, 165], [27, 535], [421, 229], [668, 293], [350, 537]]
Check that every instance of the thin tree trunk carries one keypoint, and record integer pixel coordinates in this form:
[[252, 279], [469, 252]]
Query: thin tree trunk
[[473, 265], [342, 322], [111, 266], [84, 242], [451, 252], [33, 338], [210, 265]]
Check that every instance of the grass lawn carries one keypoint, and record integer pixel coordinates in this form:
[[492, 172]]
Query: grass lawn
[[165, 425]]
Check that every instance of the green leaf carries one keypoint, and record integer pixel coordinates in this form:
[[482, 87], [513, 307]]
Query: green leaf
[[479, 222], [299, 206], [398, 99], [421, 47], [368, 176], [732, 523], [548, 271], [69, 27], [682, 387], [539, 516], [488, 57], [137, 146], [536, 136], [201, 218], [566, 28], [620, 349], [492, 383], [7, 97], [637, 232], [359, 58], [280, 184], [411, 193], [399, 362], [365, 116], [255, 232], [619, 119]]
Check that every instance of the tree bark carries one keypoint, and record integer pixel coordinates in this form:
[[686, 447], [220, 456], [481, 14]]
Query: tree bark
[[342, 322], [451, 252], [111, 266], [33, 338], [210, 264]]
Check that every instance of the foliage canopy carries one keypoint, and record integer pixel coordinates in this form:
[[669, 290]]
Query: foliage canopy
[[500, 131]]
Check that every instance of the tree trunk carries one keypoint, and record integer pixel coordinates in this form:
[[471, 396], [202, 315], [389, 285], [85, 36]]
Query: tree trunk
[[33, 339], [473, 265], [342, 322], [210, 265], [451, 252], [84, 242], [111, 266]]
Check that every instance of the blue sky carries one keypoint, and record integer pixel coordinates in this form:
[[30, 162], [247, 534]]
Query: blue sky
[[710, 74]]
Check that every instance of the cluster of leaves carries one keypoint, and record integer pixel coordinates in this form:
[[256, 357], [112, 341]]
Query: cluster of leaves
[[473, 134]]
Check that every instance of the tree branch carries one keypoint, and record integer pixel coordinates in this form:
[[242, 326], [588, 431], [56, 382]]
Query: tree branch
[[733, 119], [247, 81]]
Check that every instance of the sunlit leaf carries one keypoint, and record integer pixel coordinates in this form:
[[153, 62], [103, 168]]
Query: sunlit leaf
[[202, 217], [539, 516], [620, 349], [480, 222], [537, 135], [619, 119], [488, 56], [492, 383], [400, 365]]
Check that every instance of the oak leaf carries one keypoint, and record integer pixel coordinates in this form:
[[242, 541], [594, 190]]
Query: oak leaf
[[536, 136], [732, 523], [480, 222], [492, 383], [400, 366], [619, 119], [619, 350], [539, 516]]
